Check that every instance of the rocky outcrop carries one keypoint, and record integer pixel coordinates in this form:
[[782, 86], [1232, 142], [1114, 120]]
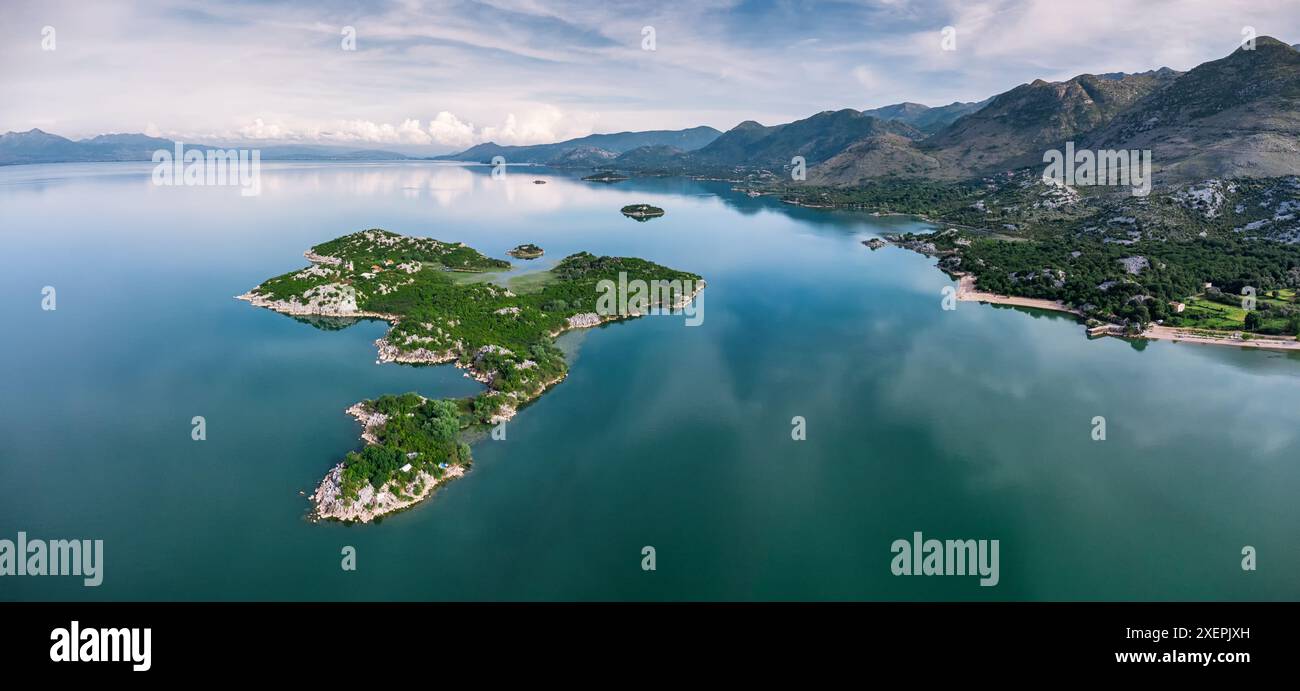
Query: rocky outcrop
[[371, 503], [420, 356]]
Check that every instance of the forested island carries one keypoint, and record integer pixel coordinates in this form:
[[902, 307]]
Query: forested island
[[642, 212], [606, 176], [440, 309], [526, 251]]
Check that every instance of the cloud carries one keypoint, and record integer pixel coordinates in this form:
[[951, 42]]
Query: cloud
[[451, 73], [539, 125], [450, 130]]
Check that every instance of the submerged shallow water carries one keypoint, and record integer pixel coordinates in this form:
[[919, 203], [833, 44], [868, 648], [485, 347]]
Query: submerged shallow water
[[969, 424]]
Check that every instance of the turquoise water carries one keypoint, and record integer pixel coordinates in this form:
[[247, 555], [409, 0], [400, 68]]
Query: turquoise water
[[974, 423]]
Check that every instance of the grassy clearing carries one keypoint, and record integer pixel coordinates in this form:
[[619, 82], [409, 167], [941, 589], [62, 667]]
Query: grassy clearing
[[462, 278], [535, 282], [1204, 313]]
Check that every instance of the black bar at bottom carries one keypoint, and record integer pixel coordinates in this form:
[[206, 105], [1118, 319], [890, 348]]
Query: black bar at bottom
[[392, 640]]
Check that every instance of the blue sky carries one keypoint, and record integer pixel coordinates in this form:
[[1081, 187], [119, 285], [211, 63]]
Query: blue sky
[[445, 75]]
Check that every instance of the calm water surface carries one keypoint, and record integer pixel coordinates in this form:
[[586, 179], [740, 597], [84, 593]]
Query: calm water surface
[[967, 424]]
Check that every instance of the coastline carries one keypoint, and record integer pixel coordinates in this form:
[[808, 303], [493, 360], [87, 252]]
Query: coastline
[[393, 496], [966, 292], [1186, 335], [329, 503]]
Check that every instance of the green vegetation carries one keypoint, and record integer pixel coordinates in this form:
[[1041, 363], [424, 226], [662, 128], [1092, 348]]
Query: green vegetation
[[606, 176], [506, 339], [526, 251], [1097, 277], [531, 282], [642, 212], [419, 432], [1275, 313], [1117, 257]]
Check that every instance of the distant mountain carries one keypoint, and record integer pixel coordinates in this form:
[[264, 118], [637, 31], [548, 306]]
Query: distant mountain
[[583, 157], [907, 111], [650, 157], [301, 152], [1017, 126], [816, 138], [889, 155], [122, 147], [617, 143], [1239, 115], [36, 146], [925, 119], [1010, 130]]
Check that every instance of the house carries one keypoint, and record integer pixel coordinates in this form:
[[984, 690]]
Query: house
[[406, 468], [1178, 307]]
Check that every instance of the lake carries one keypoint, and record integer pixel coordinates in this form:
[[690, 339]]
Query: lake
[[975, 423]]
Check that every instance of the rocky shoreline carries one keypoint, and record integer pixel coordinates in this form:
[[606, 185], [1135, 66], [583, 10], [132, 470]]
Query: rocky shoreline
[[371, 502]]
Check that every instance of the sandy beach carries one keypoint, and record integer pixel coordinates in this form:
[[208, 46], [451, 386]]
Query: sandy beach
[[966, 292], [1170, 333]]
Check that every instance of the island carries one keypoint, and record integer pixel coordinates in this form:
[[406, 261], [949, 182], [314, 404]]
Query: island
[[526, 251], [441, 310], [606, 176], [642, 212]]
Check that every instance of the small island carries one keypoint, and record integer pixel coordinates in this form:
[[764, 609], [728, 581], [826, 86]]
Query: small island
[[642, 212], [526, 251], [439, 311], [606, 176]]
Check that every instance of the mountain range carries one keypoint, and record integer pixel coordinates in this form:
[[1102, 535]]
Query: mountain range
[[925, 119], [37, 146], [592, 149], [1236, 116]]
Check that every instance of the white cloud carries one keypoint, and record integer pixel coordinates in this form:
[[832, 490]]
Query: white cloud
[[538, 125], [449, 130]]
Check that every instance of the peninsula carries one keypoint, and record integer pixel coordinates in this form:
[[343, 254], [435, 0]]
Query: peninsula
[[426, 290]]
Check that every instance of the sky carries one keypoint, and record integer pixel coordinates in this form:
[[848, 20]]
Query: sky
[[435, 76]]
